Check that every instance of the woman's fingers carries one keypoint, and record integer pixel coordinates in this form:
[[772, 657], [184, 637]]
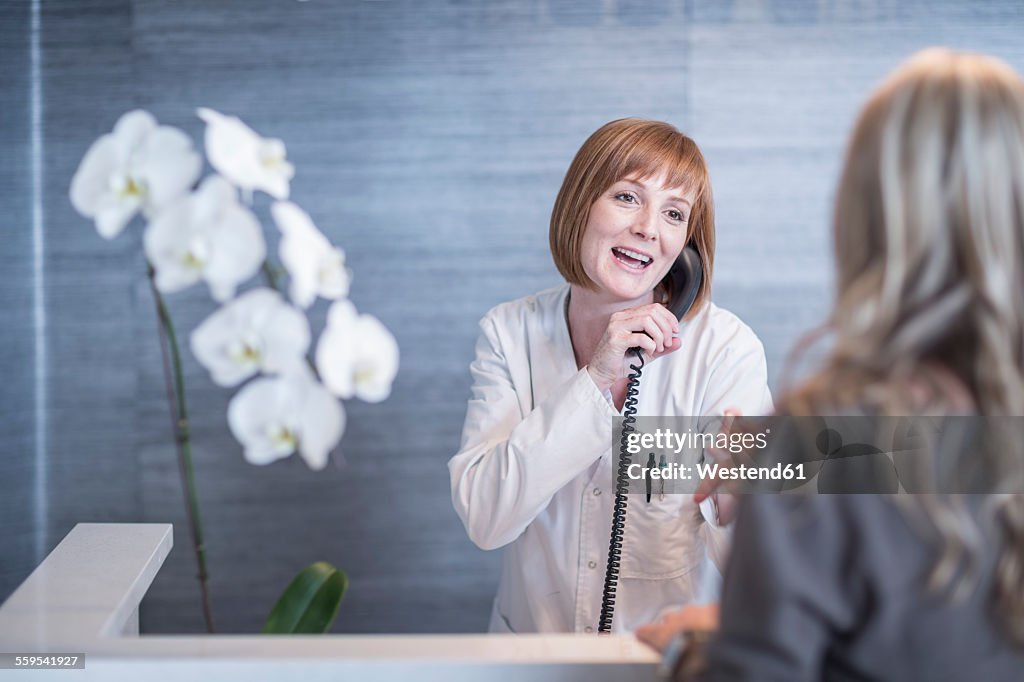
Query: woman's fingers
[[710, 485], [649, 327], [666, 321], [695, 617], [654, 320], [727, 505], [705, 488], [667, 325], [641, 340], [655, 635], [671, 346], [660, 633]]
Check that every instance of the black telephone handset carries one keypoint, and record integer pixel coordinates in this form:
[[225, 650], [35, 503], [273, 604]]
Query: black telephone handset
[[683, 282]]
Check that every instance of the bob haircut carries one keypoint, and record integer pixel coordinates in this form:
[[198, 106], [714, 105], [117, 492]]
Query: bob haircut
[[632, 147]]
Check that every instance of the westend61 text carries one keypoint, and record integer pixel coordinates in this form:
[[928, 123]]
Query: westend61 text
[[742, 472]]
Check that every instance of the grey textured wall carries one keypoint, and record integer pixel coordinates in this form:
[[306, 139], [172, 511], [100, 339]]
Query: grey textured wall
[[430, 139]]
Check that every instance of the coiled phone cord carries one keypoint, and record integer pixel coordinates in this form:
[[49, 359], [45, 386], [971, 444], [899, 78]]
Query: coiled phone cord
[[611, 575]]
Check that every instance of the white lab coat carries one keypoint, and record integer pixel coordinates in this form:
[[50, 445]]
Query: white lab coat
[[534, 472]]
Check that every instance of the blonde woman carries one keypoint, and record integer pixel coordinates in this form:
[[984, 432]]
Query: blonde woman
[[533, 475], [929, 319]]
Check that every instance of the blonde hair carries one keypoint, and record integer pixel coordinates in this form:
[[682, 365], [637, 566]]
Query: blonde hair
[[929, 248], [632, 147]]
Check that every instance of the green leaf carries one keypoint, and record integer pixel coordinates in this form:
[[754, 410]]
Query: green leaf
[[310, 604]]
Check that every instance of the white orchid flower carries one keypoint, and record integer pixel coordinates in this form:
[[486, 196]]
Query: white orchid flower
[[257, 332], [356, 355], [207, 235], [249, 161], [274, 417], [316, 267], [139, 166]]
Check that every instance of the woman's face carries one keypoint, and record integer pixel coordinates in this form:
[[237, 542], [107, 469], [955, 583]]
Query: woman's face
[[635, 231]]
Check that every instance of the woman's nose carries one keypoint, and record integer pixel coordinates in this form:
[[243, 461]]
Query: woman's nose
[[644, 226]]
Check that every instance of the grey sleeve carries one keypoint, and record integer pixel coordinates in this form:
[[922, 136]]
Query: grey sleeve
[[790, 587]]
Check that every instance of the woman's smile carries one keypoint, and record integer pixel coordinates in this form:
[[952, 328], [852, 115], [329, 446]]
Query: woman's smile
[[633, 261]]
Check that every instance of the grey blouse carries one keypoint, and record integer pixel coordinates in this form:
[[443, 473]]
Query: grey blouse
[[831, 587]]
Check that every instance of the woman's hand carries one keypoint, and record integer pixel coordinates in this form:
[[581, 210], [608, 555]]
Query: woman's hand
[[649, 327], [725, 502], [659, 634]]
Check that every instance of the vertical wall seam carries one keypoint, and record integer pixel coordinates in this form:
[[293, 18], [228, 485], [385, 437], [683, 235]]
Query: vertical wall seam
[[40, 512]]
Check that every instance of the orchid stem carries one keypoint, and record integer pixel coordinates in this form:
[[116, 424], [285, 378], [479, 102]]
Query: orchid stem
[[182, 438], [270, 273]]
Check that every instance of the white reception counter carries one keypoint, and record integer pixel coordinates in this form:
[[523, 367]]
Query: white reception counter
[[84, 598]]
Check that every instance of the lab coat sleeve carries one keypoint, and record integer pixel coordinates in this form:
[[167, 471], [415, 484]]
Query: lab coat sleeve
[[510, 464], [738, 381], [739, 376]]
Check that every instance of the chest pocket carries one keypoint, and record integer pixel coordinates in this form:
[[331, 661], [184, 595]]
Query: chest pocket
[[660, 537]]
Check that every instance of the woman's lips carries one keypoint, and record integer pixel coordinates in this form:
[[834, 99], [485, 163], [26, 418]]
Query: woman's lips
[[632, 261]]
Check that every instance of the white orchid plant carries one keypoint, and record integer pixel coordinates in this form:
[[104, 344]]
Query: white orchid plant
[[290, 399]]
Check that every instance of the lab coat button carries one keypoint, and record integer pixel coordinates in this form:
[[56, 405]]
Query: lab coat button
[[588, 629], [592, 564], [597, 491]]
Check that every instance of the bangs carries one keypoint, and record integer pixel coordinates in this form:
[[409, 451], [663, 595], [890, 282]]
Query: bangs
[[658, 152]]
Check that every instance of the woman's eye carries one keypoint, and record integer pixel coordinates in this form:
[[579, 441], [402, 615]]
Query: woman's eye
[[625, 196], [676, 216]]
